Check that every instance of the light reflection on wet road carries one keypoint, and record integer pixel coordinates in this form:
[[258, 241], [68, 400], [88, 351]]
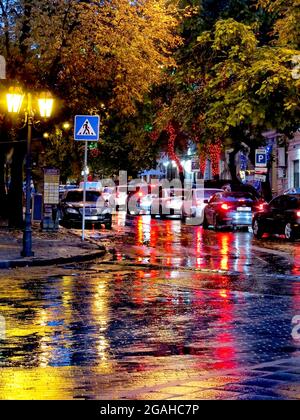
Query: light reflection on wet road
[[177, 313]]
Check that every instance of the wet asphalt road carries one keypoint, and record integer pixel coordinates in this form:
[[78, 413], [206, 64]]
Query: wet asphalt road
[[175, 313]]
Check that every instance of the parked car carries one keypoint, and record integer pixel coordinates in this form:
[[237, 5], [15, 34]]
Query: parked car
[[97, 210], [233, 185], [121, 197], [64, 188], [200, 200], [169, 202], [281, 216], [232, 209], [139, 200], [91, 185], [187, 203]]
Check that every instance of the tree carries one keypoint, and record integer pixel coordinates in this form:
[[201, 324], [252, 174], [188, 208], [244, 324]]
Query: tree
[[185, 100], [62, 153], [233, 82], [287, 25], [88, 52], [85, 51]]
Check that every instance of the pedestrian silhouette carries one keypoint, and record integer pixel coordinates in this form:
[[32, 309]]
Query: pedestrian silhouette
[[86, 128]]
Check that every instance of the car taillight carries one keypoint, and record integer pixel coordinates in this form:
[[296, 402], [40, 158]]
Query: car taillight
[[224, 206], [140, 194], [298, 214], [261, 207]]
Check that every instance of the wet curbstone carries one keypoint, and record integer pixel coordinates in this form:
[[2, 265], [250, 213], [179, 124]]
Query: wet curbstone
[[52, 261]]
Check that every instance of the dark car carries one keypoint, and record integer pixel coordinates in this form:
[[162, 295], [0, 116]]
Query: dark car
[[97, 210], [64, 188], [281, 216], [234, 186], [232, 209]]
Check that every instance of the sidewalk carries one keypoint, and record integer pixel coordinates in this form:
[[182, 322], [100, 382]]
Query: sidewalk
[[277, 246], [49, 248]]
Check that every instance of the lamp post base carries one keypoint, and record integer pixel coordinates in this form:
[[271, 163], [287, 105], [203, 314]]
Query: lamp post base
[[27, 254], [27, 244]]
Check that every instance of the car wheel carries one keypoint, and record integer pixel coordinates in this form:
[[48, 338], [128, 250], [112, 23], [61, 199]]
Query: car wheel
[[66, 224], [289, 232], [205, 223], [216, 224], [153, 216], [161, 215], [257, 229]]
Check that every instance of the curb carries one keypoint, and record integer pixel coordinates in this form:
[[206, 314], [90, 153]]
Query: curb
[[53, 261], [271, 251]]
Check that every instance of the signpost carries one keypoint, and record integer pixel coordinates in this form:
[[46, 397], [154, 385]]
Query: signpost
[[51, 198], [86, 128], [261, 165], [2, 68], [51, 186], [196, 164], [261, 158]]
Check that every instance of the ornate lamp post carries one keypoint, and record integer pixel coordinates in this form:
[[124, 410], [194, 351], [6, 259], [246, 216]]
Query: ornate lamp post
[[15, 98]]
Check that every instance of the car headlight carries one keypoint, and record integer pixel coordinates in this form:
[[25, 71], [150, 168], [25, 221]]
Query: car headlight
[[106, 211], [72, 211]]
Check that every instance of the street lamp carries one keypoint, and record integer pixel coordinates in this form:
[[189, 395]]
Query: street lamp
[[15, 98]]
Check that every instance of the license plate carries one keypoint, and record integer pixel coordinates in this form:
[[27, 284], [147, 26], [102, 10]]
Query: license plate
[[245, 209], [91, 218]]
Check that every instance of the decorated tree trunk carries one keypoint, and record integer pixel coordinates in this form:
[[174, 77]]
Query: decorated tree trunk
[[171, 150], [215, 155]]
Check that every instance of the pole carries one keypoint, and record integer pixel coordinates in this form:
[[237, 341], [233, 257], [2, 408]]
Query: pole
[[27, 233], [84, 189]]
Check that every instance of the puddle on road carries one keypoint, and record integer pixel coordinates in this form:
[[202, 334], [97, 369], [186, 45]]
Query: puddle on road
[[100, 319], [83, 320]]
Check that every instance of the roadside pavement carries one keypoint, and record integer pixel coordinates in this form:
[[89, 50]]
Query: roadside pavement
[[49, 248]]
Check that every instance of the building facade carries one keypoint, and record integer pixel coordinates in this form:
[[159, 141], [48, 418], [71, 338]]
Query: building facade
[[293, 162]]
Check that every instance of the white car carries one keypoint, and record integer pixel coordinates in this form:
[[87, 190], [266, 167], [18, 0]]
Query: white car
[[172, 202], [91, 185], [200, 200]]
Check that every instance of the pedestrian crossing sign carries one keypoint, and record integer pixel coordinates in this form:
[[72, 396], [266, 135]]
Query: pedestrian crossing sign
[[87, 128]]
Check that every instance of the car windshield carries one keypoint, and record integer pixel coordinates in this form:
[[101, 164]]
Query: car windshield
[[77, 196]]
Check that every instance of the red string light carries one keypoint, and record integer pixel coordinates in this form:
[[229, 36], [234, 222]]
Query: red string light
[[215, 155], [94, 153], [203, 159], [171, 147]]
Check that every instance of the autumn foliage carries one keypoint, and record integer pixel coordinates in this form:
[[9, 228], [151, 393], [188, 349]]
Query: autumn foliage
[[113, 50]]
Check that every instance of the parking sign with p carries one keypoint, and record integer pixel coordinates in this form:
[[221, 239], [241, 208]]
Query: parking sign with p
[[261, 158]]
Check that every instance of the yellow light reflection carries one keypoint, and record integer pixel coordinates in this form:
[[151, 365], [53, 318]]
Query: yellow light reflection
[[225, 252], [100, 313]]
